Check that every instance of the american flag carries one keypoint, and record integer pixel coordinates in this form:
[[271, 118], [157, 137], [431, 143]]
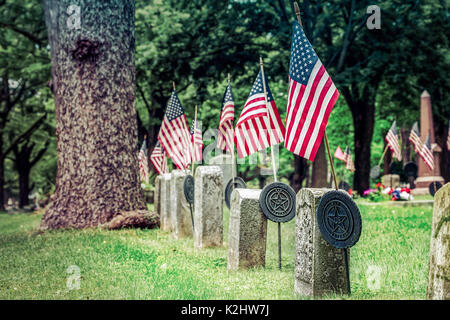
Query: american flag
[[339, 154], [159, 159], [426, 154], [252, 132], [197, 140], [143, 162], [224, 141], [393, 142], [174, 134], [349, 160], [414, 137], [312, 96]]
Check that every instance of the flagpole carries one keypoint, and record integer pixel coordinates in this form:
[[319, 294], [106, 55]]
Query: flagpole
[[233, 158], [347, 269], [384, 153], [267, 121], [193, 141]]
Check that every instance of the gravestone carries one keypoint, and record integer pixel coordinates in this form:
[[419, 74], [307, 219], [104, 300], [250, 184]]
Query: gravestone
[[179, 207], [247, 230], [439, 264], [165, 222], [157, 196], [208, 206], [319, 267], [225, 164], [391, 180], [425, 174]]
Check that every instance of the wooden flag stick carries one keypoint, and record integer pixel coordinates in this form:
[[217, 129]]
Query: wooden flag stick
[[193, 141], [267, 121], [272, 140], [382, 156], [173, 85], [233, 158]]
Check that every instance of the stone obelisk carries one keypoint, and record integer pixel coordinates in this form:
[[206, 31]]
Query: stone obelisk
[[426, 176]]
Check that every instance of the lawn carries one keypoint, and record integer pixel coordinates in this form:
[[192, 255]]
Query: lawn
[[151, 264]]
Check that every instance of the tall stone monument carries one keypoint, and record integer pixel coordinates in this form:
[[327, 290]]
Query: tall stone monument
[[425, 175], [439, 265]]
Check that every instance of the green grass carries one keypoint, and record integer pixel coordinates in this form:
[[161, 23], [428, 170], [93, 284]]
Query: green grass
[[151, 264]]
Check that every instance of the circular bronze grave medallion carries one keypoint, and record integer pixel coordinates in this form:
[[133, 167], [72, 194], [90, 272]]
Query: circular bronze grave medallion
[[410, 169], [277, 202], [189, 188], [344, 186], [238, 183], [339, 219], [375, 172], [434, 187]]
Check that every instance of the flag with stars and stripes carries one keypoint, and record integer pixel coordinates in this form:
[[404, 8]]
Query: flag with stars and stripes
[[414, 137], [159, 159], [257, 118], [311, 98], [426, 154], [349, 160], [143, 162], [197, 141], [174, 134], [339, 154], [225, 138], [393, 142]]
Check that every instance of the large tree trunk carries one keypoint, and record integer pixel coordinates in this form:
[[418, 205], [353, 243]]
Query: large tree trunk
[[2, 185], [24, 187], [363, 121], [93, 77], [300, 172], [320, 168]]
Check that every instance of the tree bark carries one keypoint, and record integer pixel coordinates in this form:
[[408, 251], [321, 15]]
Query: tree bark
[[320, 168], [300, 173], [93, 75]]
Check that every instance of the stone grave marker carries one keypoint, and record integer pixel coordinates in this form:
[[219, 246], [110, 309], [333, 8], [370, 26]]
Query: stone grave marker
[[439, 263], [247, 230], [166, 223], [208, 207], [179, 210], [319, 267]]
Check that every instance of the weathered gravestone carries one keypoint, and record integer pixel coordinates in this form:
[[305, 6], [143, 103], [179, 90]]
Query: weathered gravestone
[[319, 267], [179, 207], [166, 223], [391, 180], [208, 206], [157, 195], [225, 164], [247, 231], [439, 264]]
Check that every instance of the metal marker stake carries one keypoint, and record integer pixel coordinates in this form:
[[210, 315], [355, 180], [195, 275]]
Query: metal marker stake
[[271, 152]]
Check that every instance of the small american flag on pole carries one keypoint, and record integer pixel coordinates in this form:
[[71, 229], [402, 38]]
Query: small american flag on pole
[[143, 162], [256, 119], [339, 154], [197, 140], [414, 137], [393, 141], [159, 159], [426, 154], [349, 160], [224, 141], [311, 98], [174, 134]]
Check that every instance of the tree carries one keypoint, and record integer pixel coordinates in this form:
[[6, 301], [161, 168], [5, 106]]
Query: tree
[[93, 81]]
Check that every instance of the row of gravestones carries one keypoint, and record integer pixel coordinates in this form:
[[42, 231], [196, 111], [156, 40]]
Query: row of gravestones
[[319, 267]]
